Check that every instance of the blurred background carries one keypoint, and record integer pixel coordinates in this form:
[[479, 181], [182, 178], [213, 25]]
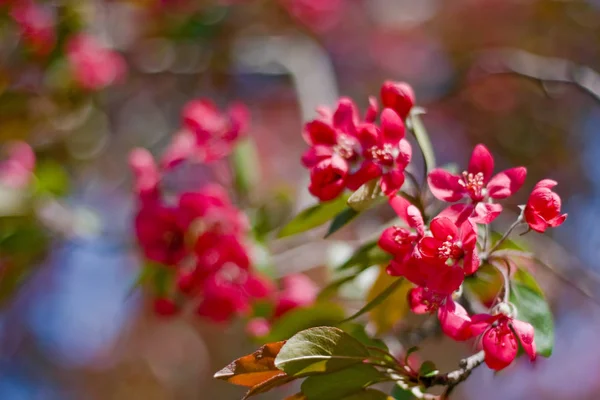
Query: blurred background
[[517, 75]]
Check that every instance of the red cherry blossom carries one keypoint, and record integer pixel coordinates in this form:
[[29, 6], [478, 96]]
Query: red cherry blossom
[[477, 185], [165, 307], [399, 96], [399, 241], [335, 133], [454, 319], [543, 207], [94, 67], [297, 290], [328, 178], [451, 245], [37, 25], [229, 292], [386, 153], [500, 337], [159, 235], [210, 209], [17, 170]]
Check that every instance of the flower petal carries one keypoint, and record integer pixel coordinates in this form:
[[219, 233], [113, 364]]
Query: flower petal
[[442, 227], [415, 301], [457, 213], [367, 171], [444, 185], [345, 117], [471, 262], [319, 132], [392, 182], [500, 347], [525, 333], [506, 183], [481, 161], [486, 212], [392, 126], [454, 320], [371, 113]]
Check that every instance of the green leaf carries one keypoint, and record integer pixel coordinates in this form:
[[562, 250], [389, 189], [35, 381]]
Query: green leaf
[[319, 314], [428, 369], [418, 129], [508, 243], [318, 350], [366, 256], [313, 216], [365, 196], [340, 384], [526, 279], [368, 394], [358, 332], [245, 164], [533, 308], [378, 299], [399, 393], [51, 178], [341, 220], [391, 309]]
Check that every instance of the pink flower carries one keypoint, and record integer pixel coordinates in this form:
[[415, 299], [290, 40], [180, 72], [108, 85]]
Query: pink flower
[[94, 67], [147, 175], [398, 96], [543, 207], [210, 210], [500, 334], [477, 185], [328, 178], [17, 170], [335, 134], [159, 235], [165, 307], [454, 319], [451, 245], [398, 241], [386, 154], [37, 26], [208, 133], [258, 327], [297, 290], [316, 14], [229, 292]]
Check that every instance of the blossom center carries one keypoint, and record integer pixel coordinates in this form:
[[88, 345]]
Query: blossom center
[[402, 236], [450, 249], [345, 147], [432, 300], [473, 183], [383, 154]]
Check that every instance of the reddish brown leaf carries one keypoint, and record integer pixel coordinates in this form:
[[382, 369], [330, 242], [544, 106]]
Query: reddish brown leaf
[[254, 369], [277, 380]]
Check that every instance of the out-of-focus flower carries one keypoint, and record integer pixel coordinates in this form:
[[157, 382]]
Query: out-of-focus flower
[[93, 66], [146, 173], [500, 337], [477, 185], [17, 170], [165, 307], [399, 96], [297, 290], [386, 154], [258, 327], [159, 235], [37, 26], [318, 15], [543, 207]]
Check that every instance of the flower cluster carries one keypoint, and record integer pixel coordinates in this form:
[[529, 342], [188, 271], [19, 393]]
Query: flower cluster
[[347, 151], [198, 235], [438, 257]]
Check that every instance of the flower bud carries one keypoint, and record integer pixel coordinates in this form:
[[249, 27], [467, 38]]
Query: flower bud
[[398, 96]]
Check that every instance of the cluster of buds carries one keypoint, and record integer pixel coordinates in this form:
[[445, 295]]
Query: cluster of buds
[[198, 235], [434, 253]]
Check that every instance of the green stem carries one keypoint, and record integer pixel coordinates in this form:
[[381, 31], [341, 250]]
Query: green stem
[[420, 134]]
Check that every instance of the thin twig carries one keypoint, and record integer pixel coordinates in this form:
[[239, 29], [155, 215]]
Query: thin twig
[[506, 235]]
